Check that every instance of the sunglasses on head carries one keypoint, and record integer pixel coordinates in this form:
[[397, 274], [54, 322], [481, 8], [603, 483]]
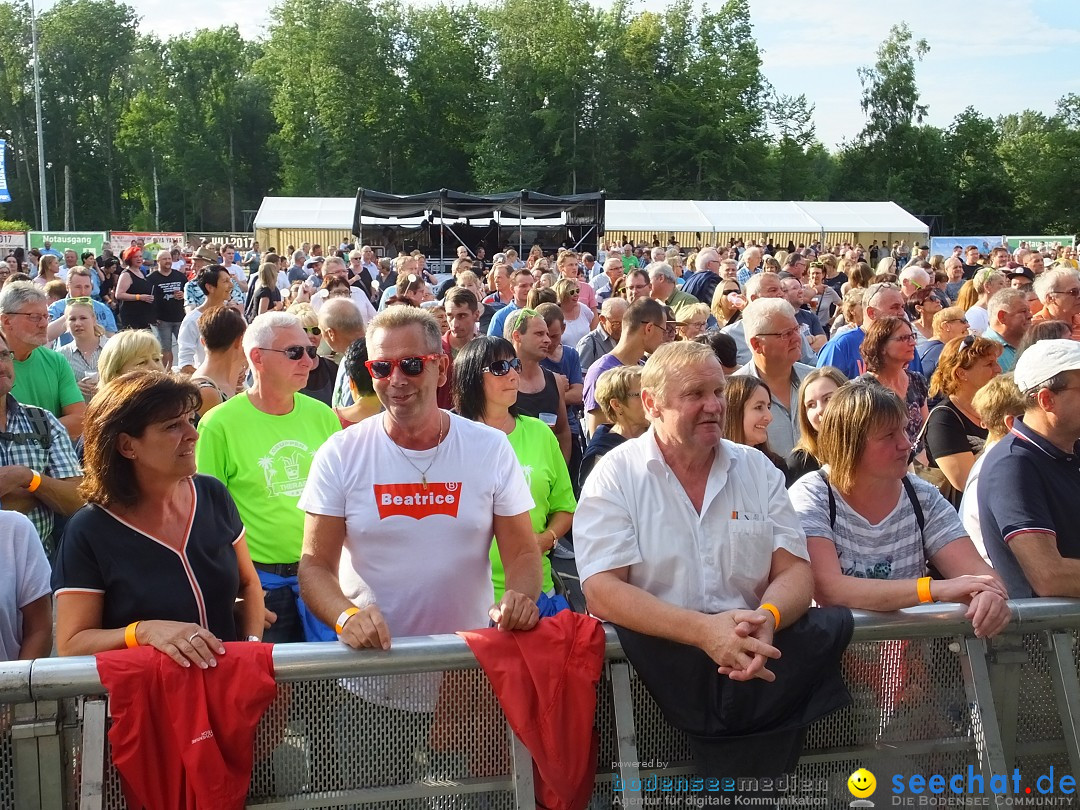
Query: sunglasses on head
[[500, 368], [410, 366], [296, 352]]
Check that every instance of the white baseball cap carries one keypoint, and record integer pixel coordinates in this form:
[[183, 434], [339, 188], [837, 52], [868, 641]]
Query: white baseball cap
[[1044, 360]]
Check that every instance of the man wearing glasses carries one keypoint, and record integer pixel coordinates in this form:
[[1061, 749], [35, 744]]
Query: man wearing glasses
[[260, 444], [79, 285], [42, 377], [400, 515], [1059, 291], [842, 351]]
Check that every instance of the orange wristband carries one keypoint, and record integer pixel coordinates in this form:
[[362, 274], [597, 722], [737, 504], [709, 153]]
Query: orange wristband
[[346, 614], [35, 481], [773, 609], [129, 635], [924, 590]]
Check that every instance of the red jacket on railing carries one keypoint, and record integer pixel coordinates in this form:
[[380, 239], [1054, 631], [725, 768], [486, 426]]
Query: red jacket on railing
[[182, 737]]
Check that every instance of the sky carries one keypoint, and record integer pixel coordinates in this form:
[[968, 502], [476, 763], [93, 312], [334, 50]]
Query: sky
[[999, 56]]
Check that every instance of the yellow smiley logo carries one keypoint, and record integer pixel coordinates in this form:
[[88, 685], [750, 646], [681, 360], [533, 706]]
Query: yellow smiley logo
[[862, 784]]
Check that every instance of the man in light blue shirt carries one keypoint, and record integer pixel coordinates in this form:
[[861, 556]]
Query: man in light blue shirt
[[79, 286], [1010, 318]]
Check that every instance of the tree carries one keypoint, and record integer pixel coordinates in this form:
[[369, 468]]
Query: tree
[[17, 107]]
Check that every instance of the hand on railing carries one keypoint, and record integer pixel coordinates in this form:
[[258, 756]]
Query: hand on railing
[[985, 596], [366, 629], [183, 642], [515, 611]]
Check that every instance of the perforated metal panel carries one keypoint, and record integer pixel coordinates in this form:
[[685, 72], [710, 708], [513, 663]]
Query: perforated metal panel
[[323, 745]]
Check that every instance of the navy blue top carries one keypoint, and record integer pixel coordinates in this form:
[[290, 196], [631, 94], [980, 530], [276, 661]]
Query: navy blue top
[[1027, 485]]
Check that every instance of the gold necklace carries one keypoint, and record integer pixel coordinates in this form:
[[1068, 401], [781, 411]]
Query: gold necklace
[[423, 472]]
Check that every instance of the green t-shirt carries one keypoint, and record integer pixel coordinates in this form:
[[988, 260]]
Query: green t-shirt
[[45, 379], [264, 461], [538, 452]]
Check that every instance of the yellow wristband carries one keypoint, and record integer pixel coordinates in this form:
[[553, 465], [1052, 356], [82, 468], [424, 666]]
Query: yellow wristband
[[773, 609], [35, 481], [129, 635], [924, 590], [346, 614]]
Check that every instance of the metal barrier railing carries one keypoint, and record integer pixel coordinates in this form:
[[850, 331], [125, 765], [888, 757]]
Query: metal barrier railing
[[928, 697]]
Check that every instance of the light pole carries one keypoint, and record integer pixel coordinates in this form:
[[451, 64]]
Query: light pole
[[42, 194]]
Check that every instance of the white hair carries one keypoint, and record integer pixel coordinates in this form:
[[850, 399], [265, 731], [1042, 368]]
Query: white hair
[[1044, 284], [759, 313], [660, 270], [260, 333], [916, 274], [657, 254], [753, 287], [607, 309]]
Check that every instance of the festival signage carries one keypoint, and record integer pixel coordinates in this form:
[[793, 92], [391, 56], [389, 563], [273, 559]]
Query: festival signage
[[152, 242], [63, 240], [241, 241], [1040, 242], [5, 195], [945, 244], [9, 240]]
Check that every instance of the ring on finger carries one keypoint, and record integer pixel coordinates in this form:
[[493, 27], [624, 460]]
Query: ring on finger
[[192, 637]]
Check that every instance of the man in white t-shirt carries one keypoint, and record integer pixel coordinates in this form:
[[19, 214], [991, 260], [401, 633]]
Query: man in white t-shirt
[[400, 516], [238, 273]]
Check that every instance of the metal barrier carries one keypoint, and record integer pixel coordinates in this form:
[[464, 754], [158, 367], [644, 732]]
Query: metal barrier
[[928, 697]]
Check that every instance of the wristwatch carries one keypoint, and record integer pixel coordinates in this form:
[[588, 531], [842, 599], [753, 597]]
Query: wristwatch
[[253, 638]]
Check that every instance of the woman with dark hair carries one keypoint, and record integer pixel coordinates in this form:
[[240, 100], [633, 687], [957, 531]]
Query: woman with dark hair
[[747, 417], [365, 402], [921, 308], [485, 389], [1045, 330], [157, 556], [887, 349], [725, 349], [222, 332]]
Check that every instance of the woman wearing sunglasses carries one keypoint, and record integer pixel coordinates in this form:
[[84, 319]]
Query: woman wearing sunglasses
[[323, 375], [485, 389]]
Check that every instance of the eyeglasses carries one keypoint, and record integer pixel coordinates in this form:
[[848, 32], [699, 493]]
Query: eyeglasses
[[500, 368], [313, 330], [295, 352], [908, 338], [787, 334], [35, 317], [6, 355], [410, 366], [1074, 292], [81, 299]]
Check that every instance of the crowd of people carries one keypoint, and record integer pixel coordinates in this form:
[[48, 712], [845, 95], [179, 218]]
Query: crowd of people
[[305, 447]]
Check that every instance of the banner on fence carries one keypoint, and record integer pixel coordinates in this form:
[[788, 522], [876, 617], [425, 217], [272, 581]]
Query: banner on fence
[[63, 240], [1039, 242], [9, 240], [241, 241], [151, 242]]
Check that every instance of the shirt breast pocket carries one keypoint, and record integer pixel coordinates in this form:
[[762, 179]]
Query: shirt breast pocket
[[746, 555]]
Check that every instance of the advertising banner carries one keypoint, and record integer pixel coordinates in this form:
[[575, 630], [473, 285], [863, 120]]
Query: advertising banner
[[944, 244], [1039, 242], [9, 240], [241, 241], [152, 242], [62, 240], [5, 195]]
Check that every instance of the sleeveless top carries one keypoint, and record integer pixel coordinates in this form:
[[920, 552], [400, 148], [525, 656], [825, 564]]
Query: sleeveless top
[[138, 314]]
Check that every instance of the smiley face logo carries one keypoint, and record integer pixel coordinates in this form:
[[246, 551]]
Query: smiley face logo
[[862, 784]]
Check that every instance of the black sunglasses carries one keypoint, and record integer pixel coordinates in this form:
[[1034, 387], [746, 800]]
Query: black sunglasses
[[500, 368], [313, 330], [411, 366], [296, 352]]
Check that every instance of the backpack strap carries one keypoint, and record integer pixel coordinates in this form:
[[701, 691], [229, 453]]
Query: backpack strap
[[40, 431], [832, 499], [920, 518]]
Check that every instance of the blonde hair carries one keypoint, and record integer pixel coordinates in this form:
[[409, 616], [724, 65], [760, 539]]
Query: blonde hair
[[856, 410], [996, 400], [616, 383], [942, 316], [268, 274], [99, 330], [956, 356], [306, 313], [687, 314], [123, 348]]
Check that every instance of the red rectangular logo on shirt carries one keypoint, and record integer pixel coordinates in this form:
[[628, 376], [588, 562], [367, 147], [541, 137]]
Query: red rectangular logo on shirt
[[416, 501]]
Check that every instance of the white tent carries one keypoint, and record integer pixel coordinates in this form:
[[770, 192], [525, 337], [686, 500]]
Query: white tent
[[766, 218]]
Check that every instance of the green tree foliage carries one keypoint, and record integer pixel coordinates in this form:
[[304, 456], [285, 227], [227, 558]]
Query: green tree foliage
[[554, 95]]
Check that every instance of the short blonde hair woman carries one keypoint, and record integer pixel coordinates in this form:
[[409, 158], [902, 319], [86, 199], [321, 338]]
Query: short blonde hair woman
[[130, 350]]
